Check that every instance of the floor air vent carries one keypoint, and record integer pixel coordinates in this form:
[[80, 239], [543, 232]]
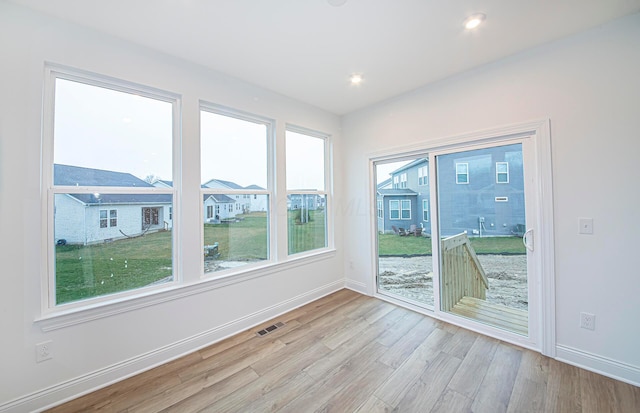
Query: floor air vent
[[269, 329]]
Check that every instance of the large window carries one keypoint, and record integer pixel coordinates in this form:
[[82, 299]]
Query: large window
[[109, 227], [234, 176], [405, 212], [307, 193], [394, 209]]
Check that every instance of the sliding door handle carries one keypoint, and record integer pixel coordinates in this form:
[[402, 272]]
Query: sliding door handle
[[525, 240]]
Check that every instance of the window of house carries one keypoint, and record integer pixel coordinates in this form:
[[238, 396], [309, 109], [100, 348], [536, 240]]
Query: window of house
[[307, 180], [405, 205], [209, 211], [394, 209], [103, 218], [403, 180], [425, 210], [462, 173], [379, 207], [82, 176], [502, 172], [234, 151], [423, 175], [396, 182]]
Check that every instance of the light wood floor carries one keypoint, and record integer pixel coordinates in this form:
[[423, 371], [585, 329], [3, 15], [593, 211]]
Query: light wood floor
[[351, 353]]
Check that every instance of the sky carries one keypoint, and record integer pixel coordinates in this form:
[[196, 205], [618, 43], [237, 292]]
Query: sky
[[105, 129]]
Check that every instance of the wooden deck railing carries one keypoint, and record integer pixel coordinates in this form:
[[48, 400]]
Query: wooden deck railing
[[462, 274]]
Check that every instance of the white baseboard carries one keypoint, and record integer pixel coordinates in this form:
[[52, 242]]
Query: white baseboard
[[598, 364], [356, 286], [71, 389]]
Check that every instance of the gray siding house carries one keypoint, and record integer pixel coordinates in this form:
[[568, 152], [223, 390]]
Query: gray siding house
[[480, 192]]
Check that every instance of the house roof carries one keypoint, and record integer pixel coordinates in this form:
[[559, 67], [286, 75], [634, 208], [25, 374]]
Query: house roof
[[254, 187], [68, 175], [397, 192], [410, 165], [219, 198], [384, 183], [228, 184]]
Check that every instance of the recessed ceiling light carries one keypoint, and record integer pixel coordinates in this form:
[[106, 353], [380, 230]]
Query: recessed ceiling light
[[474, 21], [356, 79], [336, 3]]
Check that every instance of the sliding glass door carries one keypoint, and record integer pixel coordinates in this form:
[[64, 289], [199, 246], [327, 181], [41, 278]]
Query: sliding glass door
[[482, 223]]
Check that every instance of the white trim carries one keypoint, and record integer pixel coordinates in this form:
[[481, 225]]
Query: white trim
[[545, 322], [87, 383], [466, 165], [357, 286], [74, 316], [598, 364], [48, 189]]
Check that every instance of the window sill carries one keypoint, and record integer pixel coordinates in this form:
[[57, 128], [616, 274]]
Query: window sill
[[94, 311]]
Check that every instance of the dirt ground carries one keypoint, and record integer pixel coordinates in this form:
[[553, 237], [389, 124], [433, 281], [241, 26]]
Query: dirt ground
[[413, 278]]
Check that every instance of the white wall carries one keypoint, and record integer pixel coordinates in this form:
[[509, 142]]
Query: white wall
[[589, 87], [96, 352]]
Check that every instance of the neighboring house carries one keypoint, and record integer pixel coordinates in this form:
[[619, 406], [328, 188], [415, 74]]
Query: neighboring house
[[90, 218], [481, 192], [258, 203], [310, 202], [242, 201], [163, 184], [218, 207]]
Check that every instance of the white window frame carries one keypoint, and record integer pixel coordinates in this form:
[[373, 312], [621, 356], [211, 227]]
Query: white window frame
[[423, 175], [502, 173], [458, 174], [327, 193], [391, 209], [425, 210], [403, 180], [379, 204], [49, 307], [237, 193], [396, 182], [403, 209]]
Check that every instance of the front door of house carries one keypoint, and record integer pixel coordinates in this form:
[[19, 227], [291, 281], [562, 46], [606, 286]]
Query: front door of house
[[150, 217]]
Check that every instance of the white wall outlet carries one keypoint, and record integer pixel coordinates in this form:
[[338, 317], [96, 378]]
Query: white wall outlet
[[44, 351], [586, 226], [588, 321]]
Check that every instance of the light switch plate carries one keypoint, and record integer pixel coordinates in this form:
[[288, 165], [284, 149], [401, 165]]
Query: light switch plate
[[586, 226]]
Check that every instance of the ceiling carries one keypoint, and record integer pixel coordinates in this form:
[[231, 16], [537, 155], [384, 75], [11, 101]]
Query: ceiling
[[306, 49]]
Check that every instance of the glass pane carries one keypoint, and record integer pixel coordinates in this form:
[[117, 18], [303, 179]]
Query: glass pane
[[404, 244], [307, 222], [110, 131], [484, 263], [236, 230], [233, 152], [305, 162], [96, 256]]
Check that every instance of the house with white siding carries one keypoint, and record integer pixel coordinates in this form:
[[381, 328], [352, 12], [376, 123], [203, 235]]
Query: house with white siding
[[91, 218]]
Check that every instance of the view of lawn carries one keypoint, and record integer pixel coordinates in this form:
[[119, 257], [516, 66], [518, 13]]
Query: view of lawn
[[395, 245], [101, 269]]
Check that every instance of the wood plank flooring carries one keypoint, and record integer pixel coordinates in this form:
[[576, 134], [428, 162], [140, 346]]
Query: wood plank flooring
[[351, 353]]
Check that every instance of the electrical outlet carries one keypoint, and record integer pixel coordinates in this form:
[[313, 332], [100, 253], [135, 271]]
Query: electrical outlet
[[588, 321], [43, 351]]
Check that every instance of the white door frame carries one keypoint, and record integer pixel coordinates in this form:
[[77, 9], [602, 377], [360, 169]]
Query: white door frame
[[535, 135]]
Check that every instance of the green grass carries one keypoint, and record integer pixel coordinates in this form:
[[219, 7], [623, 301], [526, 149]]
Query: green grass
[[307, 236], [101, 269], [394, 245], [245, 240]]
